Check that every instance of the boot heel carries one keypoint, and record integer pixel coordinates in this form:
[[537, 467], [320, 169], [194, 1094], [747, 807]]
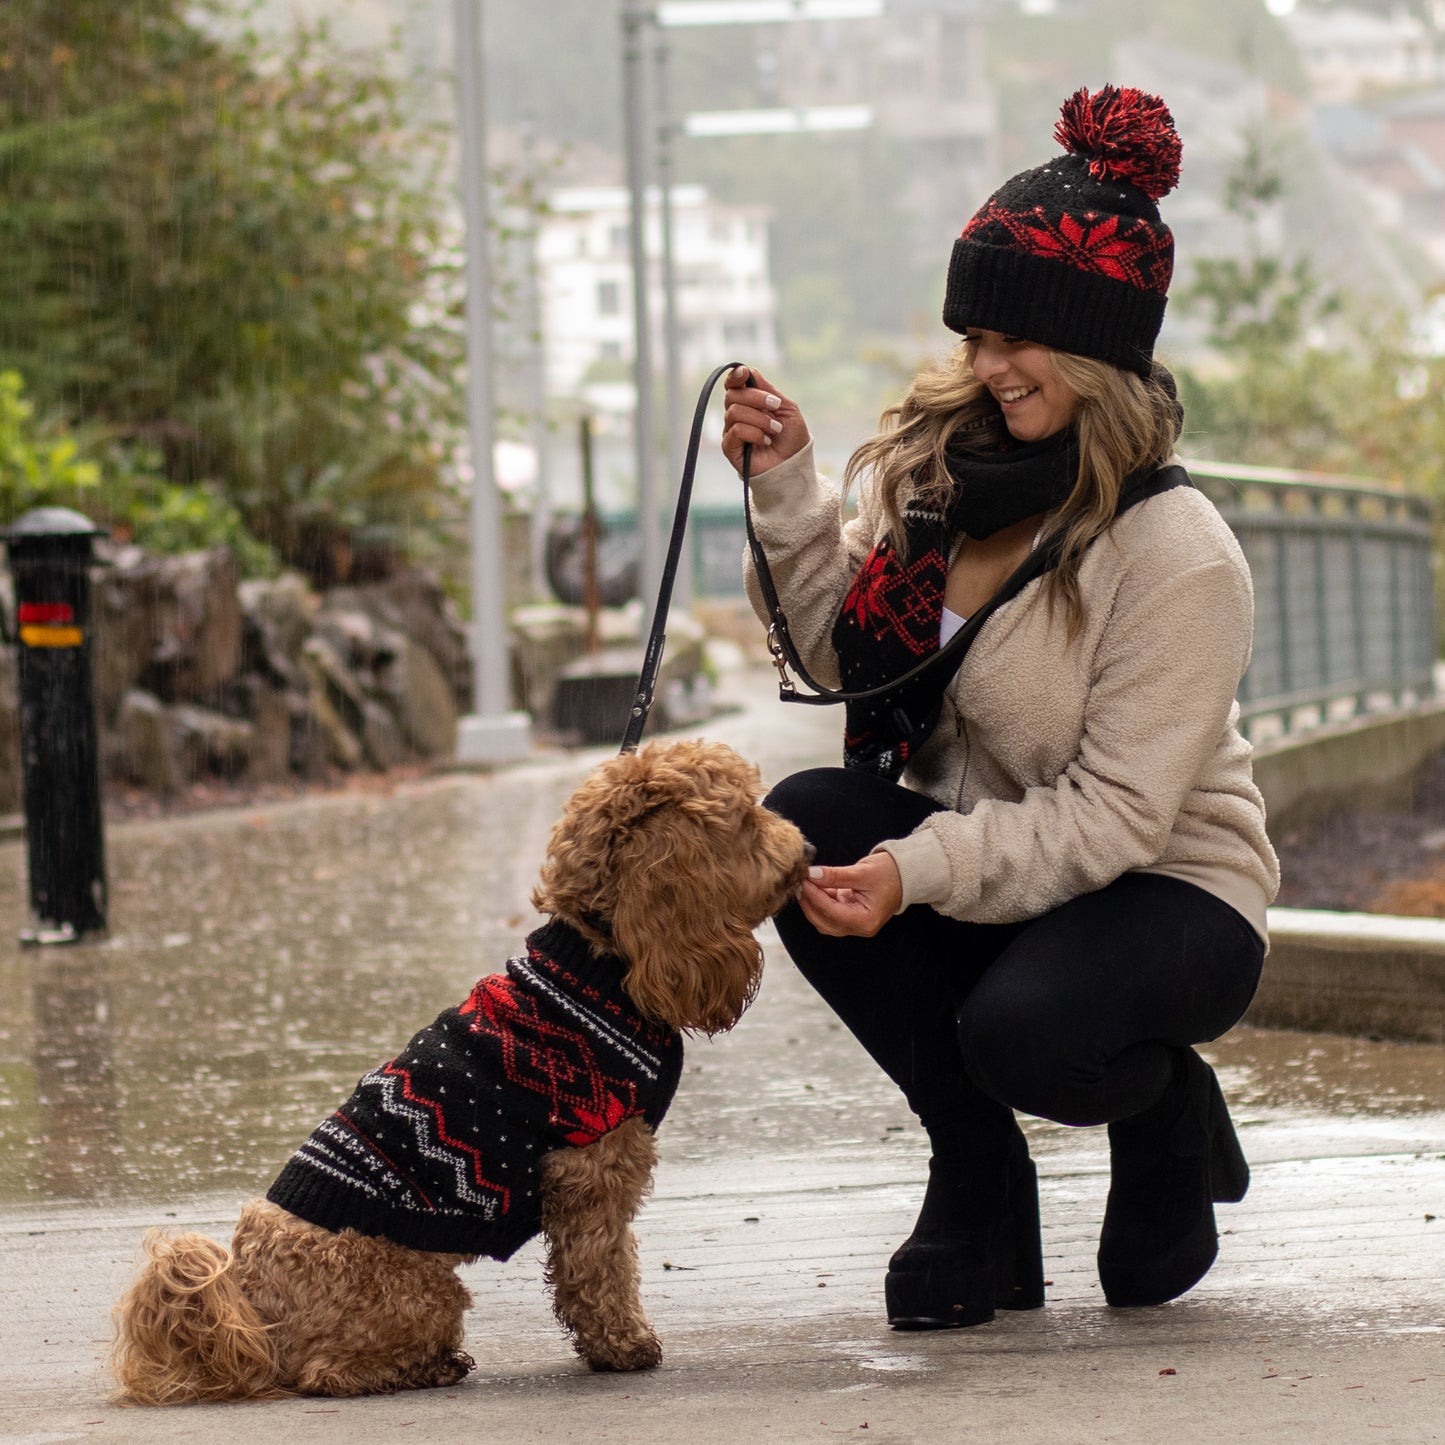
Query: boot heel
[[937, 1287], [1021, 1258], [1228, 1168]]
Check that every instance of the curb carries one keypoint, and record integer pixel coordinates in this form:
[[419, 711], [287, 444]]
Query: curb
[[1353, 973]]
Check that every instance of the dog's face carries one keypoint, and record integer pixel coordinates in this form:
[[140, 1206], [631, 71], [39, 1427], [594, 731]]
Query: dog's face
[[666, 858]]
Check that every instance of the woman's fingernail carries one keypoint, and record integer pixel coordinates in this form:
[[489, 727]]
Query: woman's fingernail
[[767, 441], [774, 425], [772, 402], [815, 875]]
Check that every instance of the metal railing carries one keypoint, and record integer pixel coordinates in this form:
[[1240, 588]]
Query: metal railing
[[1344, 593], [1344, 602]]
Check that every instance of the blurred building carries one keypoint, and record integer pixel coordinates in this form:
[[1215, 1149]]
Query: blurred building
[[1378, 115], [1395, 154], [726, 303], [1346, 52], [922, 68]]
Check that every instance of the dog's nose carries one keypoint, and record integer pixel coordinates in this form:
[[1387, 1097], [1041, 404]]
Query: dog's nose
[[809, 852]]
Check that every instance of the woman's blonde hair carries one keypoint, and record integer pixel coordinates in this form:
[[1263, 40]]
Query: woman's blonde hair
[[1125, 423]]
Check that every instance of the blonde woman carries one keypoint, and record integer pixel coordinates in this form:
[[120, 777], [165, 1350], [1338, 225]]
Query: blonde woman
[[1043, 878]]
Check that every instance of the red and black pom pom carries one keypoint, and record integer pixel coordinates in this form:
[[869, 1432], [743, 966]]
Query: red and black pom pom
[[1126, 134]]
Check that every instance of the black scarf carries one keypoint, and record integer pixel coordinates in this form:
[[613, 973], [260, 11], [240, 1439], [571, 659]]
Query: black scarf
[[994, 489], [891, 615]]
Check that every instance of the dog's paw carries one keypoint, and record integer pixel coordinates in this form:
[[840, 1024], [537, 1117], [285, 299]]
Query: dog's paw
[[454, 1366], [632, 1352]]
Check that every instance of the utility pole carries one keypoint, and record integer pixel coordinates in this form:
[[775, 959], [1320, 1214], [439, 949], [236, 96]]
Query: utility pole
[[492, 732]]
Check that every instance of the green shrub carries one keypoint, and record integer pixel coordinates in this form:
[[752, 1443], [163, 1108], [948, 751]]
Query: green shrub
[[39, 466]]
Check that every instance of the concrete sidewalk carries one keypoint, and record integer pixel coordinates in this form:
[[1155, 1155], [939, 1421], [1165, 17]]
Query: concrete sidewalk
[[261, 960]]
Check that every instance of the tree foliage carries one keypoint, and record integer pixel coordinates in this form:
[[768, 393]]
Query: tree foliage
[[122, 488], [233, 256]]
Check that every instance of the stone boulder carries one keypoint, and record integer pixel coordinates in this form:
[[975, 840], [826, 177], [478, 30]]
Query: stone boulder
[[144, 750], [169, 625], [414, 604], [422, 699]]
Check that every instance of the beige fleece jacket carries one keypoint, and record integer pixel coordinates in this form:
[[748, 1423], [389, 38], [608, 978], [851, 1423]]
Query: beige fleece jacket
[[1063, 764]]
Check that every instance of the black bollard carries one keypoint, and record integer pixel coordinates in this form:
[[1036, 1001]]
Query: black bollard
[[50, 557]]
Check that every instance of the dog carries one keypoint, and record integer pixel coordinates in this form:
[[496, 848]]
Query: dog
[[342, 1281]]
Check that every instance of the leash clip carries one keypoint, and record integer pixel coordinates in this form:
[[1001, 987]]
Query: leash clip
[[780, 661]]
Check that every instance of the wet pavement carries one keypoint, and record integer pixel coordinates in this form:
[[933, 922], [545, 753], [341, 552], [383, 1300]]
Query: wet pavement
[[262, 959]]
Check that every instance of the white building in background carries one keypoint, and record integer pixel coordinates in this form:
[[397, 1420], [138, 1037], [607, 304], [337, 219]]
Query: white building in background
[[726, 303], [1347, 52]]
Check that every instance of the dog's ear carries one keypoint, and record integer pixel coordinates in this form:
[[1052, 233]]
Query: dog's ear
[[690, 965], [594, 842]]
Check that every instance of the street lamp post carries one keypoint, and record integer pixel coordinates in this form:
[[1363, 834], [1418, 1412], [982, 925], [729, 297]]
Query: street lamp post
[[492, 732], [537, 368], [671, 331], [635, 19]]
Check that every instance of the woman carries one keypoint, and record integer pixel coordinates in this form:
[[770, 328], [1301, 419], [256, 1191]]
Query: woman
[[1069, 889]]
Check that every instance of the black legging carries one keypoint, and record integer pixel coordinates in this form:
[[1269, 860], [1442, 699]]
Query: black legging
[[1071, 1016]]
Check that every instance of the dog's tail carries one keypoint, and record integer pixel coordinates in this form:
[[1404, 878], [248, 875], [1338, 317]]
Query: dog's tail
[[184, 1330]]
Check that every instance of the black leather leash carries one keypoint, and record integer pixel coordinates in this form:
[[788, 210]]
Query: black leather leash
[[657, 636], [780, 642]]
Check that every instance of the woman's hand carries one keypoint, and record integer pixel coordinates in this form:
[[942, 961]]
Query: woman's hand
[[758, 413], [853, 902]]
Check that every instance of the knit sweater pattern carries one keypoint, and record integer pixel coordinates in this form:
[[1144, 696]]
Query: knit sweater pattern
[[441, 1147], [1062, 763]]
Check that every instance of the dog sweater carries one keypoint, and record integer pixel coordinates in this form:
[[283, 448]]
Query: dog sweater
[[441, 1148]]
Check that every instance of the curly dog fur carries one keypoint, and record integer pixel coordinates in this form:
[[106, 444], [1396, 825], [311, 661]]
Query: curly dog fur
[[664, 858]]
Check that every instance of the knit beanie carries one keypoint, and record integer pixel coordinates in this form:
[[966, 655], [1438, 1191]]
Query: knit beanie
[[1073, 254]]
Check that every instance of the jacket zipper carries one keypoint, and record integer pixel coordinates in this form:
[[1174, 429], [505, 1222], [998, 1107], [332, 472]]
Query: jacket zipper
[[960, 728]]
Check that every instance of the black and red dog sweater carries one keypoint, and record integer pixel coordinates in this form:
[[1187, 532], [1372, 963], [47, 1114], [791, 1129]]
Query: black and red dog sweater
[[440, 1148]]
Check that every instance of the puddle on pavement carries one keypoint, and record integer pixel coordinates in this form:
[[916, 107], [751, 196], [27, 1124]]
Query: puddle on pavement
[[260, 963], [257, 966]]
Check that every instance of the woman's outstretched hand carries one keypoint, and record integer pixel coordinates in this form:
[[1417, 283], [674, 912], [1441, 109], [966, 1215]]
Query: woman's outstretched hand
[[758, 413], [853, 902]]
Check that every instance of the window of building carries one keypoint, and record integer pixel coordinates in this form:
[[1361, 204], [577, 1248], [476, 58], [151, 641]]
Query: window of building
[[609, 298]]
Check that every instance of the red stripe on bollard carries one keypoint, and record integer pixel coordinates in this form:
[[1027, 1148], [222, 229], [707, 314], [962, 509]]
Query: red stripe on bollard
[[46, 612]]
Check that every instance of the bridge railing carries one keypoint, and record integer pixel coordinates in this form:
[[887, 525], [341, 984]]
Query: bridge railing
[[1344, 601], [1344, 593]]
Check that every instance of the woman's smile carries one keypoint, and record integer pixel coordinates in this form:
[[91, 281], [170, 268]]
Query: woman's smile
[[1035, 401]]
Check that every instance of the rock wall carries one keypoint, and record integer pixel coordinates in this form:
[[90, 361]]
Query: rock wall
[[197, 674]]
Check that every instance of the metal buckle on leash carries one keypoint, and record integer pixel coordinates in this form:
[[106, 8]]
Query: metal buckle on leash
[[780, 661]]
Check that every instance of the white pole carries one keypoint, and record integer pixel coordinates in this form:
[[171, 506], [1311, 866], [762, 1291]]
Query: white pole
[[492, 733], [541, 441], [634, 23], [671, 332]]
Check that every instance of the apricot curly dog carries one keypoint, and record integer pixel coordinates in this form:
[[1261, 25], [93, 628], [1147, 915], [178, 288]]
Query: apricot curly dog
[[529, 1108]]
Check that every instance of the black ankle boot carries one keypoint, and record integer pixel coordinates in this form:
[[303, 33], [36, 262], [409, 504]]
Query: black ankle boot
[[975, 1248], [1170, 1165]]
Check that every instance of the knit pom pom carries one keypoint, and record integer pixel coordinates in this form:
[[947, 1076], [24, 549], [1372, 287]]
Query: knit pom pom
[[1127, 135]]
